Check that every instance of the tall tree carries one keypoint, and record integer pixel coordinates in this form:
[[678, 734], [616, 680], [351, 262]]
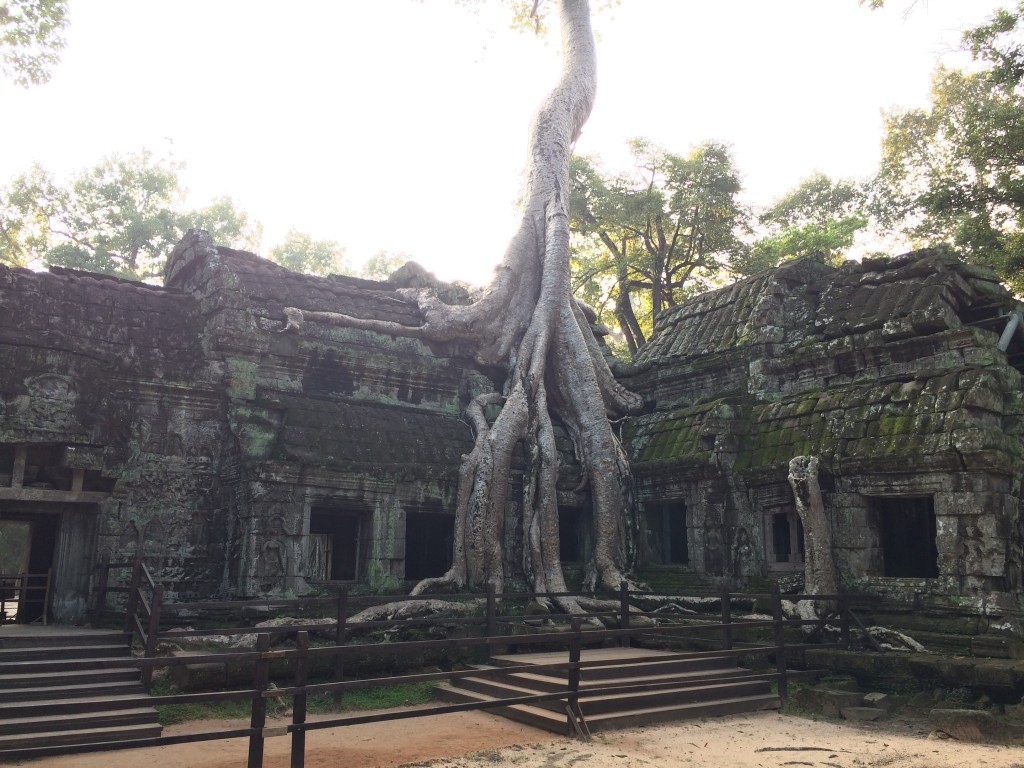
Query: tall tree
[[527, 324], [668, 228], [955, 172], [121, 217], [301, 253], [382, 264], [819, 216], [30, 38]]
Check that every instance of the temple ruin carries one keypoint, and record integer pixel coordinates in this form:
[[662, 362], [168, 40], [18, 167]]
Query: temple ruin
[[246, 461]]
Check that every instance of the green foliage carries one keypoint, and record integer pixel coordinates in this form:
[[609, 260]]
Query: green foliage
[[818, 217], [14, 543], [646, 239], [301, 253], [954, 172], [121, 217], [378, 697], [382, 264], [30, 38]]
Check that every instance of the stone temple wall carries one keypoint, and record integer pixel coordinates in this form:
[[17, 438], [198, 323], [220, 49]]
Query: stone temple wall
[[110, 426], [244, 460], [889, 372], [249, 461]]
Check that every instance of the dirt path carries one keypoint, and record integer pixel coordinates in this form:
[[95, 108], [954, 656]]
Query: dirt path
[[477, 740]]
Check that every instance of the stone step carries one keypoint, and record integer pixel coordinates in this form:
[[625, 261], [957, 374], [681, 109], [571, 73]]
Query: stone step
[[551, 720], [78, 720], [625, 666], [35, 692], [65, 665], [29, 685], [18, 746], [30, 640], [57, 707], [552, 681], [47, 653], [634, 697]]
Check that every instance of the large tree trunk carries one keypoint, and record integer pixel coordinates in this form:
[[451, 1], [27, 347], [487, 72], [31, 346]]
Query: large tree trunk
[[528, 323], [819, 563]]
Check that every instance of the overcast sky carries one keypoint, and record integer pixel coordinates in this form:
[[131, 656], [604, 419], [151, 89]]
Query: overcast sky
[[401, 124]]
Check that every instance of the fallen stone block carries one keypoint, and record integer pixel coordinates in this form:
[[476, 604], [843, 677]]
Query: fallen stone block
[[882, 701], [975, 725]]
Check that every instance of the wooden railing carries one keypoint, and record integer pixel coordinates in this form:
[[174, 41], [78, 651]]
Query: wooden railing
[[19, 589], [715, 633]]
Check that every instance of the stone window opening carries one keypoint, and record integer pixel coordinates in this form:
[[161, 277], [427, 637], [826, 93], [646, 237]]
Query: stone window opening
[[665, 537], [905, 527], [428, 545], [338, 547], [784, 545]]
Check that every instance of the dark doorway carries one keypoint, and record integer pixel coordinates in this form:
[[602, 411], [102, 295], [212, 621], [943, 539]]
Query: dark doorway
[[338, 544], [906, 527], [428, 545], [785, 533], [666, 542], [39, 533], [15, 539]]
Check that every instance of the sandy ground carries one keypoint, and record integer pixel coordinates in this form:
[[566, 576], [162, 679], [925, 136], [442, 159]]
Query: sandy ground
[[478, 740]]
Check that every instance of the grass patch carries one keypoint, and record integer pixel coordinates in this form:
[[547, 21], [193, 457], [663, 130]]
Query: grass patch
[[381, 697]]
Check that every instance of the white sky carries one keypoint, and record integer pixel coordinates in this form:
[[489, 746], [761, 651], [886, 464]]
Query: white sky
[[401, 124]]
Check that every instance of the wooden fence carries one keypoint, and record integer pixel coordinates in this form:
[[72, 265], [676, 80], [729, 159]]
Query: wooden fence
[[18, 590], [719, 633]]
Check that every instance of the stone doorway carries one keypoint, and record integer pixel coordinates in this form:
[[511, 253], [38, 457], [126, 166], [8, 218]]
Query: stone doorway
[[338, 544], [60, 542]]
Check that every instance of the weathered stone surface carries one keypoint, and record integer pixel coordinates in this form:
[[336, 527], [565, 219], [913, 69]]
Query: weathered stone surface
[[882, 701], [219, 444], [887, 371], [863, 714], [180, 419], [976, 725]]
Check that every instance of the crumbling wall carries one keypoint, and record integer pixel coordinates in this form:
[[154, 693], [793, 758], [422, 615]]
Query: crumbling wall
[[886, 370]]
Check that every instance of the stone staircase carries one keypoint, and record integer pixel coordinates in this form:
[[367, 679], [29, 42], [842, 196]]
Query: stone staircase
[[637, 687], [62, 688]]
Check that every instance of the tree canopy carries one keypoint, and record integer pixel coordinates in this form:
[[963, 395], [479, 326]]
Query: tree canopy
[[30, 38], [301, 253], [121, 217], [954, 172], [818, 217], [671, 226]]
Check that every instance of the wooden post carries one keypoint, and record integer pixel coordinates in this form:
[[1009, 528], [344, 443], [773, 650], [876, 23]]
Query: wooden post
[[101, 591], [780, 643], [153, 632], [258, 720], [492, 611], [339, 640], [299, 700], [624, 612], [726, 617], [133, 592], [575, 652], [844, 617]]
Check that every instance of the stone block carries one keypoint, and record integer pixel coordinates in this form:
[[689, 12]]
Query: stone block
[[997, 647], [210, 676], [862, 713], [975, 725], [882, 701], [834, 702]]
